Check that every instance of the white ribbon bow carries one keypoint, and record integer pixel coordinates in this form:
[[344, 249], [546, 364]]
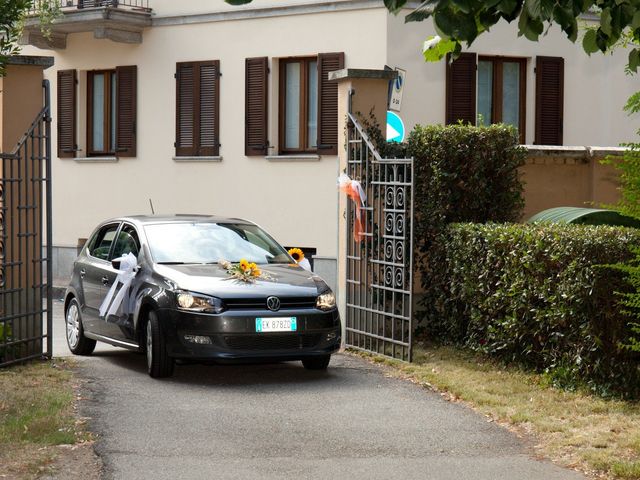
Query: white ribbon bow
[[126, 274]]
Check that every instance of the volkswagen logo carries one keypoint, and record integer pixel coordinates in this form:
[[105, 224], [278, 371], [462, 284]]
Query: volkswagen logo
[[273, 304]]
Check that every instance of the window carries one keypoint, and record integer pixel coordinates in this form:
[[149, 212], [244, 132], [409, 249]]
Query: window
[[197, 108], [100, 245], [502, 91], [298, 105], [127, 242], [101, 112], [307, 105], [495, 88], [110, 112]]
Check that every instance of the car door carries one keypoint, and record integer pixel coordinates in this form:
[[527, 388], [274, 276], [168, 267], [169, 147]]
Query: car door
[[127, 241], [94, 275]]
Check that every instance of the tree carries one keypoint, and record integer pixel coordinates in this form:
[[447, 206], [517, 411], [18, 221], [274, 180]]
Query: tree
[[12, 14], [462, 21]]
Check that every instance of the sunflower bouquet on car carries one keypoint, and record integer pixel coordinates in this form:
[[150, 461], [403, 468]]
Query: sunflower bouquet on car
[[244, 271], [298, 255]]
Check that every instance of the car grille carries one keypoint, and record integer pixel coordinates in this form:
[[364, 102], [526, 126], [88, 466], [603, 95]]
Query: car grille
[[272, 341], [261, 303]]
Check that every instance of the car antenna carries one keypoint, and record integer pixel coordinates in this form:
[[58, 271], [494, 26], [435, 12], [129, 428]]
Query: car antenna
[[152, 210]]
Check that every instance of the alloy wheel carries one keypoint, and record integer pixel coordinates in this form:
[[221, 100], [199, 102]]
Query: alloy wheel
[[73, 326]]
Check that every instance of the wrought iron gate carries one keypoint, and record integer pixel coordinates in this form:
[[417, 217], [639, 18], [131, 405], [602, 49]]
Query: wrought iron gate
[[25, 221], [380, 267]]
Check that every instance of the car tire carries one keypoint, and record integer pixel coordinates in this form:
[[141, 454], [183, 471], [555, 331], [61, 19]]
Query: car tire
[[317, 363], [77, 342], [159, 363]]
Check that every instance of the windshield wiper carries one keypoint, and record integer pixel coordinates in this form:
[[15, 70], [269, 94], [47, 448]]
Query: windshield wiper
[[171, 263]]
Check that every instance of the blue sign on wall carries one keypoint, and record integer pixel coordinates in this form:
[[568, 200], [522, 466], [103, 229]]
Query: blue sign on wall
[[395, 128]]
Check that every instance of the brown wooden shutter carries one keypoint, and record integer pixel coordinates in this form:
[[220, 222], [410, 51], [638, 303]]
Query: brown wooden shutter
[[198, 108], [67, 101], [461, 89], [208, 108], [185, 109], [126, 98], [549, 100], [256, 106], [328, 102]]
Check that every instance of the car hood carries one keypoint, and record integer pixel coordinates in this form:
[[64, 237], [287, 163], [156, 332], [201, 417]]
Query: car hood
[[287, 280]]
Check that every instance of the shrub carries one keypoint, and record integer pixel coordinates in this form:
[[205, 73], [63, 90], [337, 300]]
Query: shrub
[[462, 174], [536, 295]]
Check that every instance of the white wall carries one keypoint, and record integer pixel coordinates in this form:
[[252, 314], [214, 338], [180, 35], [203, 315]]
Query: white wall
[[595, 88], [163, 8], [295, 201]]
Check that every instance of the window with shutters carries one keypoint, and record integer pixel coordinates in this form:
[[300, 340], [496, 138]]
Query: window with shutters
[[308, 104], [197, 108], [111, 112], [487, 89]]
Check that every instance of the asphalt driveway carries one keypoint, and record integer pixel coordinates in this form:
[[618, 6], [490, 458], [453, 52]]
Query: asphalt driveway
[[284, 422]]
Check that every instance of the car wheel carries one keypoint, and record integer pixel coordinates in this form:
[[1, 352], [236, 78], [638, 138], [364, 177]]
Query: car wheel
[[317, 363], [77, 342], [159, 363]]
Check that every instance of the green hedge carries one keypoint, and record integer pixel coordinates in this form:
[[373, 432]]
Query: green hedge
[[535, 295]]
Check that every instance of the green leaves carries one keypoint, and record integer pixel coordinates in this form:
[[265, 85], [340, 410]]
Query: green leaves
[[461, 21], [435, 48], [589, 43], [536, 296], [394, 5], [11, 14]]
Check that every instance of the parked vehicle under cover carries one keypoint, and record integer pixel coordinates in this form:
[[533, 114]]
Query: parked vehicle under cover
[[182, 303]]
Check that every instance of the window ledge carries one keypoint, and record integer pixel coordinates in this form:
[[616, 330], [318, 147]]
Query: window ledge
[[96, 159], [293, 158], [197, 159]]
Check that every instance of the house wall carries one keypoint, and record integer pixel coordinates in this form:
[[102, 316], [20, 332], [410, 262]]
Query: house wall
[[294, 199], [20, 102], [595, 87], [568, 177], [195, 7]]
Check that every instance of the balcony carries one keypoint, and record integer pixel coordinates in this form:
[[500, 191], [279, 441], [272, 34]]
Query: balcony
[[117, 20]]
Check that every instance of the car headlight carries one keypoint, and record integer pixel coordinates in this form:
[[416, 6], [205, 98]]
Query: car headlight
[[195, 302], [326, 301]]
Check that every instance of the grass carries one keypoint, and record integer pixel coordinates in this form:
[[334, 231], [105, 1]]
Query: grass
[[36, 413], [597, 436]]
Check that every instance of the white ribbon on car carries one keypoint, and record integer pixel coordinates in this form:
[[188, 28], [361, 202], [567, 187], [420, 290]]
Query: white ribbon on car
[[304, 263], [126, 274]]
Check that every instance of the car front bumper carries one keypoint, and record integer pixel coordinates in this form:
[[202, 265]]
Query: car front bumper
[[233, 337]]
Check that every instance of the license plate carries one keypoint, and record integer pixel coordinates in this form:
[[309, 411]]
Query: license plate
[[276, 324]]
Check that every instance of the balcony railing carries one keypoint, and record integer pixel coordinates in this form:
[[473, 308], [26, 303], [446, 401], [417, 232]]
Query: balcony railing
[[66, 5], [117, 20]]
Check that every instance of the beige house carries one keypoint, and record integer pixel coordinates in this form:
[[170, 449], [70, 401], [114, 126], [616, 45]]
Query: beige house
[[200, 107]]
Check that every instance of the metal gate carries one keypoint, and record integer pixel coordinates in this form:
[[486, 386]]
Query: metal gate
[[25, 221], [380, 267]]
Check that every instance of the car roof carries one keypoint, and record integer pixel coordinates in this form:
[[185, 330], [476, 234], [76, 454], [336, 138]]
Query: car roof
[[177, 218]]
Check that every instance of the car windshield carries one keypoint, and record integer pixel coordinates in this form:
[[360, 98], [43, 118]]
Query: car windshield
[[176, 243]]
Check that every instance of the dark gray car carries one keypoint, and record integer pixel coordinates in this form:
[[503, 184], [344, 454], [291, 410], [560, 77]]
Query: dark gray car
[[173, 299]]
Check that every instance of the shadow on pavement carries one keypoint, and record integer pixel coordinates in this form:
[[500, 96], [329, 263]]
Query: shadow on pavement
[[218, 375]]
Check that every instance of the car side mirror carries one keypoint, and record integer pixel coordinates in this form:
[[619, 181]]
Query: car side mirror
[[115, 264]]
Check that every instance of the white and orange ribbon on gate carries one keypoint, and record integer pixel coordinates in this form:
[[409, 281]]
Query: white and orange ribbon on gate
[[354, 190]]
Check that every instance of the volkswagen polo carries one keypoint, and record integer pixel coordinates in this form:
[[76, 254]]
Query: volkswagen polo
[[169, 286]]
